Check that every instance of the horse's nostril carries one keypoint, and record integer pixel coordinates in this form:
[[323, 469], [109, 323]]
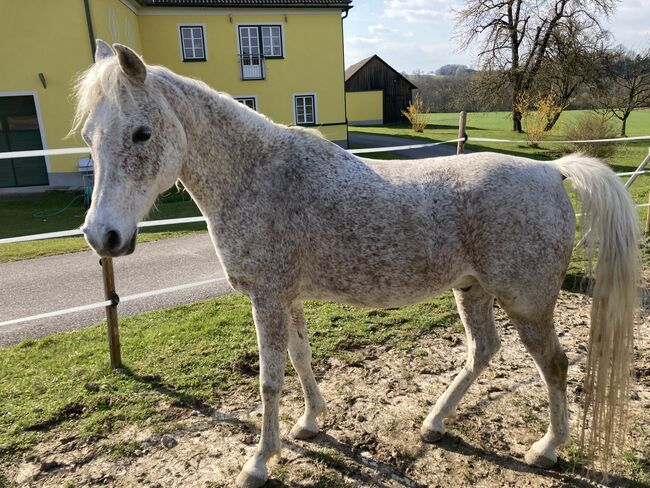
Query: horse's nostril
[[112, 239]]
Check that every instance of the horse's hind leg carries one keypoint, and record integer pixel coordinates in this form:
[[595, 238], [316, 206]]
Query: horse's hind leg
[[475, 308], [300, 353], [538, 335]]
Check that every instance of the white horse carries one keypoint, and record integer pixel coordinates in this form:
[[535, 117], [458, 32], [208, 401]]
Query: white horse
[[293, 216]]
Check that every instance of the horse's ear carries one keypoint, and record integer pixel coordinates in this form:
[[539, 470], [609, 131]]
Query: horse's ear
[[131, 63], [102, 50]]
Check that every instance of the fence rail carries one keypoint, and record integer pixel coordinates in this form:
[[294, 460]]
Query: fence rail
[[112, 299]]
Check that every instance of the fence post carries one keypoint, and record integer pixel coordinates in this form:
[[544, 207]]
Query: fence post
[[462, 123], [111, 312]]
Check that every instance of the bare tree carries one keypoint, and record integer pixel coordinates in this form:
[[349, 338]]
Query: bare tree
[[627, 84], [575, 58], [514, 36]]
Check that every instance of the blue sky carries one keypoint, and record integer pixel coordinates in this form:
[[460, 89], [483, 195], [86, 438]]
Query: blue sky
[[417, 34]]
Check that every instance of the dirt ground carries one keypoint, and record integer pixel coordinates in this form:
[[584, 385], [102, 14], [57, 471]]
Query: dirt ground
[[377, 399]]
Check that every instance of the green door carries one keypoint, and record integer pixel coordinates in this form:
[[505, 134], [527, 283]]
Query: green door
[[19, 131]]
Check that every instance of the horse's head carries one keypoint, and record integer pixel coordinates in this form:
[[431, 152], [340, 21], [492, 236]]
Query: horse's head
[[137, 145]]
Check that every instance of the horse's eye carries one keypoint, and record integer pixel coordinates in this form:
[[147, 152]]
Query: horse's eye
[[141, 134]]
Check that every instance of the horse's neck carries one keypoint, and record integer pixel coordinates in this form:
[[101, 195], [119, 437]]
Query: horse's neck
[[225, 142]]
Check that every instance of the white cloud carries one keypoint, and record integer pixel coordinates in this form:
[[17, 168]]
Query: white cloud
[[418, 11], [380, 28], [360, 40]]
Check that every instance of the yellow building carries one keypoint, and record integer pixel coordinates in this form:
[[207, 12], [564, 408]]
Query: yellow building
[[282, 58]]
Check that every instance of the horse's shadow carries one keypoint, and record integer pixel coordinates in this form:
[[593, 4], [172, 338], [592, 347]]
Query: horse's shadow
[[382, 472]]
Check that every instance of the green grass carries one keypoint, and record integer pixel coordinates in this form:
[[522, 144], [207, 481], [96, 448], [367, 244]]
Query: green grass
[[186, 357], [37, 214]]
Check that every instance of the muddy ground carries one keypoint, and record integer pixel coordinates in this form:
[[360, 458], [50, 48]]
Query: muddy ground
[[377, 400]]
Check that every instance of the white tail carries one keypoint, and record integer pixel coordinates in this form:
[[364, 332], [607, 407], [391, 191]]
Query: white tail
[[609, 218]]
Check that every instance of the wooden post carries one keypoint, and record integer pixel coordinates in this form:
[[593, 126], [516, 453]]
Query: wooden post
[[111, 312], [462, 123]]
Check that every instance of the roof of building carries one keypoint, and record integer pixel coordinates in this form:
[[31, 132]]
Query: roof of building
[[356, 67], [248, 3]]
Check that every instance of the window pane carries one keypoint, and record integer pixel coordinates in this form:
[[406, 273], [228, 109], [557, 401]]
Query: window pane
[[192, 43], [22, 122], [271, 40]]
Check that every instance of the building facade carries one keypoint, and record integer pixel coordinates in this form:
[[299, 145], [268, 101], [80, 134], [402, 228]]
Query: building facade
[[282, 58]]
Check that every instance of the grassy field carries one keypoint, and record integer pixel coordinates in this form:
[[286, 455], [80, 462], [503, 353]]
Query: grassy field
[[62, 210]]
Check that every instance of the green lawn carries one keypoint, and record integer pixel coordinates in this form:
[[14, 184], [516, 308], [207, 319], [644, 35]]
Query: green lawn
[[47, 212], [62, 383]]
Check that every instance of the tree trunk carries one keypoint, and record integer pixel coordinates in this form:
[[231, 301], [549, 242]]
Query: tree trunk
[[551, 123], [516, 120], [623, 125]]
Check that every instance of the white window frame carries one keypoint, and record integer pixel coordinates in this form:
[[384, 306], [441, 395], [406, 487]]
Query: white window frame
[[203, 40], [259, 26], [248, 97], [295, 107], [271, 56]]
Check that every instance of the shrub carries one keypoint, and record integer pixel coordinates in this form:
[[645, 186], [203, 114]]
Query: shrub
[[535, 122], [416, 114], [590, 126]]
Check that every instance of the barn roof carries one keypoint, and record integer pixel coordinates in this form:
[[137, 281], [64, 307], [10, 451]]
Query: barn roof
[[356, 67], [346, 4]]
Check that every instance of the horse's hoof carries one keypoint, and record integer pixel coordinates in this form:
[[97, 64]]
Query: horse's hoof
[[430, 436], [302, 433], [246, 479], [534, 458]]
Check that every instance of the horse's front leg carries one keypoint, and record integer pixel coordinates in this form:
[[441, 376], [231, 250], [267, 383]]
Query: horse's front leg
[[272, 318]]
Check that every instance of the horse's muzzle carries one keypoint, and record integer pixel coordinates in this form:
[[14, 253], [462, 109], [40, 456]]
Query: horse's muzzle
[[111, 243]]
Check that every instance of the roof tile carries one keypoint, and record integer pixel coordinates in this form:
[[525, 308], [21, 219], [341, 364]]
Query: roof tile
[[247, 3]]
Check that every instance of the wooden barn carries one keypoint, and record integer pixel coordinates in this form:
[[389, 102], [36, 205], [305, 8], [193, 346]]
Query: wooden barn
[[374, 74]]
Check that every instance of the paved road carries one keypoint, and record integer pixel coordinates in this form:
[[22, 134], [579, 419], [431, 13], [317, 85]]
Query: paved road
[[360, 139], [42, 285]]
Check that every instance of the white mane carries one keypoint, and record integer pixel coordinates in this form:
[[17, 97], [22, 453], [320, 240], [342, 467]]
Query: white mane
[[104, 78]]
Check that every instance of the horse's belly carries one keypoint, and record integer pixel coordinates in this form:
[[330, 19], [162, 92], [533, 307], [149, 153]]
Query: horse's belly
[[395, 285]]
